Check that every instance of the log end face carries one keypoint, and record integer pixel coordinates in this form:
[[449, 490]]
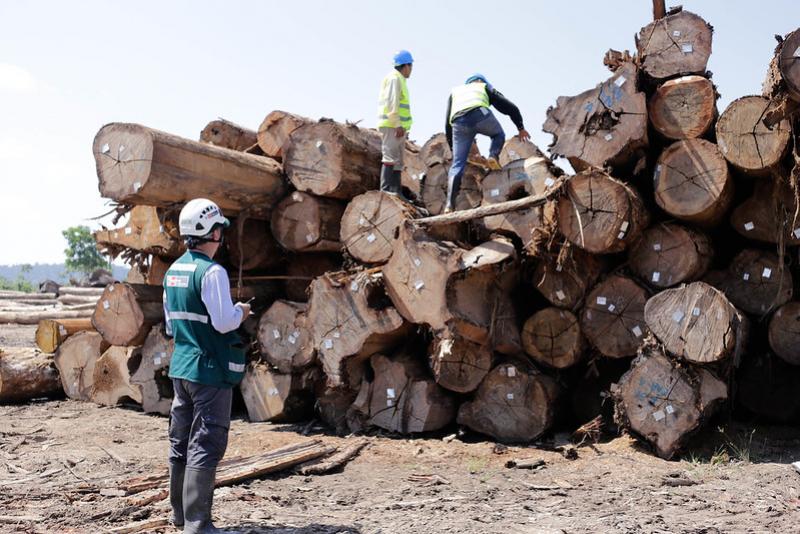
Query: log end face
[[123, 157]]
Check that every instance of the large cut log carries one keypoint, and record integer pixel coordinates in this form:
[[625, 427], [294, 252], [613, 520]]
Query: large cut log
[[227, 134], [335, 160], [769, 213], [125, 313], [784, 73], [697, 323], [459, 364], [603, 126], [744, 139], [784, 332], [301, 269], [436, 151], [613, 316], [564, 279], [414, 171], [679, 43], [692, 182], [33, 317], [665, 403], [143, 232], [683, 108], [284, 337], [68, 290], [156, 271], [152, 375], [402, 397], [552, 337], [434, 188], [350, 319], [111, 383], [51, 333], [600, 214], [272, 396], [16, 295], [757, 282], [512, 404], [669, 254], [255, 248], [75, 360], [26, 373], [138, 165], [767, 387], [72, 300], [275, 130], [515, 148], [332, 406], [370, 225], [308, 223]]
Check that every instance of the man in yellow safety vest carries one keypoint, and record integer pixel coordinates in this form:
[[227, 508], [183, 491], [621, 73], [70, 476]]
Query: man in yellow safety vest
[[394, 121]]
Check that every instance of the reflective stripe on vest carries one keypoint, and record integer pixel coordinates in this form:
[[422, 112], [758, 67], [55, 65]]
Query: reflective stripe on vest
[[183, 267], [468, 96], [187, 316], [404, 113], [236, 367]]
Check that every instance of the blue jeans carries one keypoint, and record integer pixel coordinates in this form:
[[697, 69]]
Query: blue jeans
[[465, 128]]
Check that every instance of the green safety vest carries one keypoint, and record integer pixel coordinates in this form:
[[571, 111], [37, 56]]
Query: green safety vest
[[468, 96], [383, 102], [202, 354]]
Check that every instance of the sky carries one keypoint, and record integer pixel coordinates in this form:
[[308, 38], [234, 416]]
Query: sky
[[67, 68]]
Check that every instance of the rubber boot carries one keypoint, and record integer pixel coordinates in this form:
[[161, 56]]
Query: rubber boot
[[387, 172], [198, 496], [397, 188], [176, 473]]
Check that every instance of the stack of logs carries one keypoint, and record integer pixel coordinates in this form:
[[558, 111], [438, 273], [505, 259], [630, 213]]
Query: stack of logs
[[660, 272]]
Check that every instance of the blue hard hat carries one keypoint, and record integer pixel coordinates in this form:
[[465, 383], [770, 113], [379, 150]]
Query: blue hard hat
[[402, 57], [477, 76]]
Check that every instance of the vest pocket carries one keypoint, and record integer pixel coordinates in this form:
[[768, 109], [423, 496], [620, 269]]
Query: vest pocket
[[234, 369]]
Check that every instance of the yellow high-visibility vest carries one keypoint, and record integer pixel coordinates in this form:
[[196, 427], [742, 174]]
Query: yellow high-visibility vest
[[383, 102], [468, 96]]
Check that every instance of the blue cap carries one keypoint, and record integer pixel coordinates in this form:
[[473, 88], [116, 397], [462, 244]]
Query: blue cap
[[477, 76], [402, 57]]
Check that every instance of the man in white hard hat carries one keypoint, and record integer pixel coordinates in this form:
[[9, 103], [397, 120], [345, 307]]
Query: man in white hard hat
[[207, 362], [394, 121]]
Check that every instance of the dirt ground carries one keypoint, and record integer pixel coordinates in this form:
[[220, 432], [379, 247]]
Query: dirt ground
[[736, 480]]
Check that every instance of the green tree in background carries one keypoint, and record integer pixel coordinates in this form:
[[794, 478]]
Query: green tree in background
[[82, 254]]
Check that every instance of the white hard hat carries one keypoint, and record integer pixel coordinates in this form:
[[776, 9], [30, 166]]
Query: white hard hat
[[199, 216]]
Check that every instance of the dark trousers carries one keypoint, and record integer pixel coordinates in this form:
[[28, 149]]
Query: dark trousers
[[198, 424]]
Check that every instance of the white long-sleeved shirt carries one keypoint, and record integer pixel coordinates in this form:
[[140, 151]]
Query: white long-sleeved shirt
[[215, 292]]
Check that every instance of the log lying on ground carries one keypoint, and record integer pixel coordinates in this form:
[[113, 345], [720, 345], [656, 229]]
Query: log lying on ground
[[767, 386], [26, 317], [69, 290], [334, 160], [512, 404], [152, 374], [227, 134], [600, 214], [665, 403], [613, 317], [301, 269], [272, 396], [125, 313], [75, 360], [284, 337], [683, 108], [697, 323], [692, 182], [51, 333], [26, 373], [757, 282], [332, 406], [784, 332], [668, 254], [514, 149], [370, 225], [254, 249], [402, 397], [564, 280], [603, 126], [744, 139], [275, 130], [307, 223], [143, 232], [679, 43], [768, 214], [552, 337], [111, 382], [138, 165], [459, 364], [784, 72], [434, 189], [16, 295], [350, 319], [72, 300]]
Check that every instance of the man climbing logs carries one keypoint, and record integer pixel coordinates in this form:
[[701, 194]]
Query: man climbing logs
[[394, 121]]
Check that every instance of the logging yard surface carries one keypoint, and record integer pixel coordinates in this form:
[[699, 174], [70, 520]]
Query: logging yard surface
[[736, 480]]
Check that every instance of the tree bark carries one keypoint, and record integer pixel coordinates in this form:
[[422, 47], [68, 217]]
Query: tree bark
[[458, 364], [371, 224], [275, 130], [280, 398], [746, 142], [564, 281], [679, 43], [301, 269], [413, 173], [152, 375], [600, 214], [307, 223], [255, 249], [552, 337], [669, 254], [512, 404], [111, 383], [157, 270], [784, 332], [334, 160], [51, 333], [697, 323], [757, 282], [284, 337], [126, 312], [138, 165], [75, 360], [434, 188], [784, 74], [144, 232], [603, 126], [683, 108], [613, 317], [25, 374], [769, 213], [228, 135]]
